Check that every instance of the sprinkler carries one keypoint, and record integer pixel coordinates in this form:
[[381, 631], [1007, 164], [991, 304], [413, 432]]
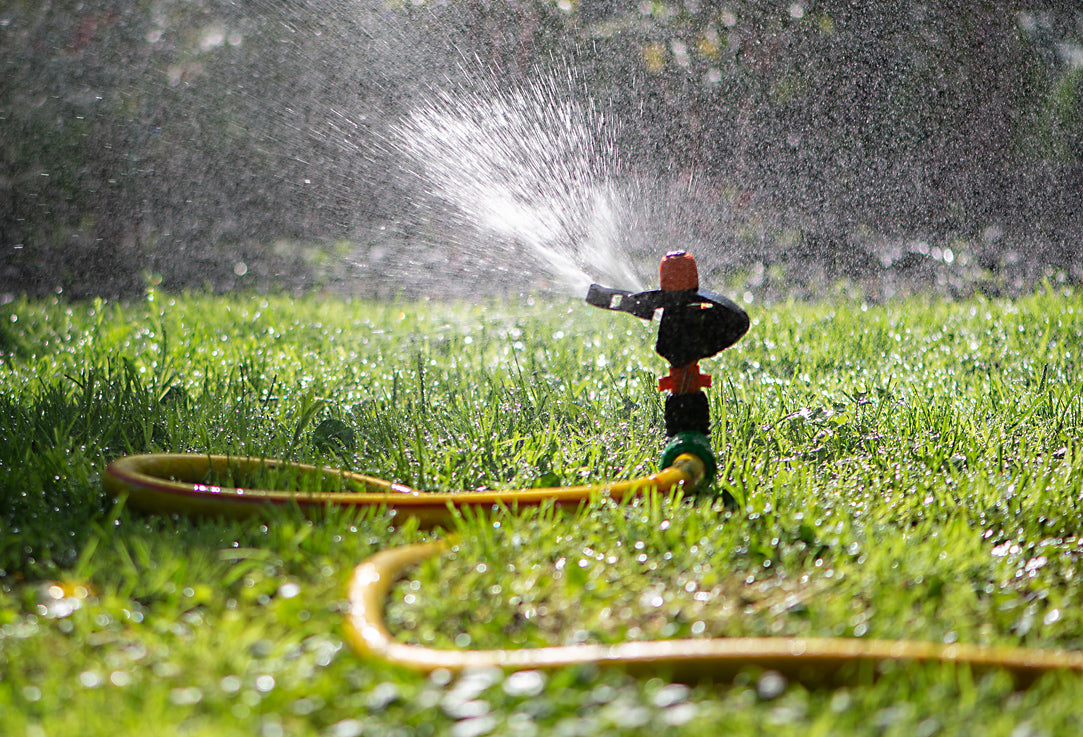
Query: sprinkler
[[694, 324]]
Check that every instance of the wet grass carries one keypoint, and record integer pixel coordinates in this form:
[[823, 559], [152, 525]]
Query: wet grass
[[907, 470]]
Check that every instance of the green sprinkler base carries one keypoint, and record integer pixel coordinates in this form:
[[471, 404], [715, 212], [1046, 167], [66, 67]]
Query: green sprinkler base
[[698, 445]]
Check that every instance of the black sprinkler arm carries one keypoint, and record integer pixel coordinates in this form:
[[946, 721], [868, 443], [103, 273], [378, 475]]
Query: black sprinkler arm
[[695, 323], [642, 304]]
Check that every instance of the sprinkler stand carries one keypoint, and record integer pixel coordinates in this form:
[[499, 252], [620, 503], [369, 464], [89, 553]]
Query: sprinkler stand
[[695, 324]]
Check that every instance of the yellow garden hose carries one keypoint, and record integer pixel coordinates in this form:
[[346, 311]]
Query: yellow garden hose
[[813, 661], [182, 483]]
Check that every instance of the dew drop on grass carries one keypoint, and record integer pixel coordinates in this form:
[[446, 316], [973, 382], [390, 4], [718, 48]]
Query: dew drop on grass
[[841, 701], [305, 706], [476, 681], [346, 728], [271, 727], [186, 696], [670, 695], [602, 694], [680, 714], [771, 685], [474, 726], [524, 683], [629, 716], [522, 724], [261, 648], [440, 677], [382, 696]]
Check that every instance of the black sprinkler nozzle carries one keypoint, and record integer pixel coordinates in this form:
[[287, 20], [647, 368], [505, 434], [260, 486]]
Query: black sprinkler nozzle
[[695, 323], [699, 325]]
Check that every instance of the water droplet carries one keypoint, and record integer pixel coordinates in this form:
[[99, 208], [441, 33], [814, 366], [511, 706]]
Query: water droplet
[[385, 694], [771, 685], [680, 714], [524, 683], [440, 677], [261, 648], [346, 728], [670, 695], [474, 726], [187, 696]]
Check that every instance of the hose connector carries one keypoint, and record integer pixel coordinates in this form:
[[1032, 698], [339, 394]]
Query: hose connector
[[695, 444]]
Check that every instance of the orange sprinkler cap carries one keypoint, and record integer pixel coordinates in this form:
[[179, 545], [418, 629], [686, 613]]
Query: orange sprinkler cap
[[684, 380], [678, 272]]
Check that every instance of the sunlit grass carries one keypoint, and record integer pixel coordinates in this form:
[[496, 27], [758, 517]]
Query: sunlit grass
[[908, 470]]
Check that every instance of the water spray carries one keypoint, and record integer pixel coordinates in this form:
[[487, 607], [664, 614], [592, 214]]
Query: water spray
[[695, 324]]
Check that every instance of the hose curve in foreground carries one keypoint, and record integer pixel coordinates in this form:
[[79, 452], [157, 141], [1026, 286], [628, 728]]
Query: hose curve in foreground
[[813, 661], [180, 483]]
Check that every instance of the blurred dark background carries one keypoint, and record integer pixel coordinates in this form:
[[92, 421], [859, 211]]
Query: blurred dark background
[[213, 144]]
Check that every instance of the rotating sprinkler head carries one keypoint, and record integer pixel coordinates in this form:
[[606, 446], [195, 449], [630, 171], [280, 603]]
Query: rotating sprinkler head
[[695, 324]]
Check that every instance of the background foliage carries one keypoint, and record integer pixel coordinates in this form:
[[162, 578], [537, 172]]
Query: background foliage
[[221, 143]]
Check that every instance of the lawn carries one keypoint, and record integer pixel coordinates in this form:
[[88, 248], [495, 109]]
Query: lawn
[[905, 470]]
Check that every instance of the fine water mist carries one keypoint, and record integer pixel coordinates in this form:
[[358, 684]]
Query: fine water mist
[[531, 174]]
